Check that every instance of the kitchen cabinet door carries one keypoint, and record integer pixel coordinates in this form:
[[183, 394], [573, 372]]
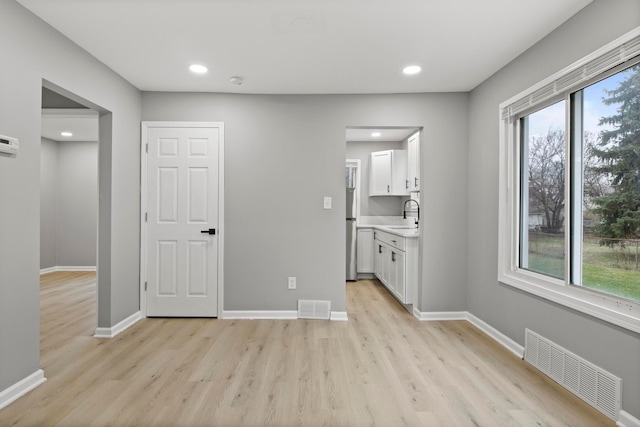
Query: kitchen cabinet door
[[413, 163], [388, 173], [398, 275], [377, 260], [380, 181], [365, 248], [382, 261]]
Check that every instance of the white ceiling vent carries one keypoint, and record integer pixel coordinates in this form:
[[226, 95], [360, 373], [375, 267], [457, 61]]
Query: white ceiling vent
[[591, 383], [314, 309]]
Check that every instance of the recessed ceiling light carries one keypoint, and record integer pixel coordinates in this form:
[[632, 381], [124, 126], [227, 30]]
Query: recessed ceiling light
[[375, 134], [412, 69], [67, 134], [236, 80], [198, 69]]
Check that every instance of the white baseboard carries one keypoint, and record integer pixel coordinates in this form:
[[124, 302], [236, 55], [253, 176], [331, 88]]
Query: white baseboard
[[21, 388], [67, 268], [339, 315], [498, 336], [119, 327], [260, 315], [439, 315], [501, 338], [273, 315], [625, 419]]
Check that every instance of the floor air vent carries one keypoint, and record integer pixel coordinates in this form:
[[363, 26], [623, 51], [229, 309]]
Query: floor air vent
[[592, 384], [312, 309]]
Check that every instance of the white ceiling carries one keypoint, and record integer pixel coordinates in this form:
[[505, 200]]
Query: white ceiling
[[305, 46], [387, 134], [83, 123]]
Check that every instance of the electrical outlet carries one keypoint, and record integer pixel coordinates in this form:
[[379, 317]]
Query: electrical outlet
[[291, 284]]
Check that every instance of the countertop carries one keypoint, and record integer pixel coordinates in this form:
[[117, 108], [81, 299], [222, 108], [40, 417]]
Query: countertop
[[398, 230]]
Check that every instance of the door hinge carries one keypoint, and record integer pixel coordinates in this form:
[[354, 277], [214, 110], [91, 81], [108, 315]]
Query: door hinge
[[145, 286]]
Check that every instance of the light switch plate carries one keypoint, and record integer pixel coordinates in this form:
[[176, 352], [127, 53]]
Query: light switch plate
[[327, 202]]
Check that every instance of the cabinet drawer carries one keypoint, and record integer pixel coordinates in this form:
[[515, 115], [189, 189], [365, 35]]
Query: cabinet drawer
[[391, 239]]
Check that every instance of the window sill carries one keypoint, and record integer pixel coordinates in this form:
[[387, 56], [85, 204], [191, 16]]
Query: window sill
[[617, 311]]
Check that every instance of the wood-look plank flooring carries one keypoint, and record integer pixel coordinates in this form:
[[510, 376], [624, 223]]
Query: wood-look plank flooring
[[381, 368]]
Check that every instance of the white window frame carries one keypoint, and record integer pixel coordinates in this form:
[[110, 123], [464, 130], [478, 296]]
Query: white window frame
[[615, 310]]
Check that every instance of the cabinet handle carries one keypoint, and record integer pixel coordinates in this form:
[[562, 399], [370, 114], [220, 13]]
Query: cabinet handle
[[406, 185], [393, 257], [388, 189], [393, 241], [379, 249], [416, 181]]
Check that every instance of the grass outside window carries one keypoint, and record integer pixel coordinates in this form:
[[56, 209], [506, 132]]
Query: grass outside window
[[613, 270]]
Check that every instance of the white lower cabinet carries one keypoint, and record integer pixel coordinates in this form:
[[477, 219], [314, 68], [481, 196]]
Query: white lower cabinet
[[364, 249], [398, 268], [396, 265]]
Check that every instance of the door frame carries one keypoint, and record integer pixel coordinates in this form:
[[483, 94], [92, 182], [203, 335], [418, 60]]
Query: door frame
[[145, 126]]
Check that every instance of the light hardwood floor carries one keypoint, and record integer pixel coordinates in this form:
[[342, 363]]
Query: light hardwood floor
[[382, 367]]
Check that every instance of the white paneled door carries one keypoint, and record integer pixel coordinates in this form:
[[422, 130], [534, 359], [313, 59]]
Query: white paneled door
[[182, 221]]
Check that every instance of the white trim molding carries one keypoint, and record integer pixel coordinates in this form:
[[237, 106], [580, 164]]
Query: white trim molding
[[67, 268], [260, 315], [497, 336], [274, 315], [339, 316], [22, 387], [119, 327], [625, 419], [439, 315]]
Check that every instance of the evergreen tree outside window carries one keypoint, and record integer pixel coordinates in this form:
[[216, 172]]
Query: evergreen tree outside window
[[611, 185]]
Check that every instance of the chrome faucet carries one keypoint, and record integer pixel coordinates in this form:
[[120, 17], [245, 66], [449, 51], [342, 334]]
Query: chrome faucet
[[404, 214]]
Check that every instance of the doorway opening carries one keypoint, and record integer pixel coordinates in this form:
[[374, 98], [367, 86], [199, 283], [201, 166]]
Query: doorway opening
[[375, 149], [75, 188]]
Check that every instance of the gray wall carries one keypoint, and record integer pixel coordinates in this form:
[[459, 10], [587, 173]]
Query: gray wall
[[68, 204], [77, 228], [283, 154], [508, 310], [48, 202], [374, 206], [39, 53]]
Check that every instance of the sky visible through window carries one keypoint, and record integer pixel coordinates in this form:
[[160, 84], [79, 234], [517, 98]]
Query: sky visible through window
[[553, 117]]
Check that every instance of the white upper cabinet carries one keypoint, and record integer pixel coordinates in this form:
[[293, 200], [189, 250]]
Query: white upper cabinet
[[413, 163], [388, 173]]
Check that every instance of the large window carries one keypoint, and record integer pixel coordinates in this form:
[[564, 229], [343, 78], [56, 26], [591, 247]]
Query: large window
[[570, 187]]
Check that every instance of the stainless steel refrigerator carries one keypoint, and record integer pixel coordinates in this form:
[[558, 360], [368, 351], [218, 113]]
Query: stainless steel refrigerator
[[351, 234]]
